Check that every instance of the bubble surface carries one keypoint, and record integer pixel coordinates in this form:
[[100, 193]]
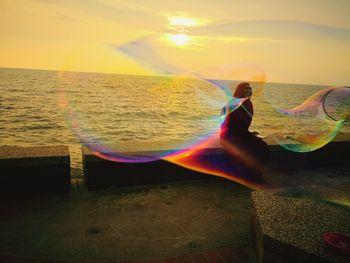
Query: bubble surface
[[126, 119], [138, 112], [322, 115]]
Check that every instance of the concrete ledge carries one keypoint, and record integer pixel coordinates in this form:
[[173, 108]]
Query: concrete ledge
[[284, 160], [288, 224], [332, 154], [34, 170], [101, 174]]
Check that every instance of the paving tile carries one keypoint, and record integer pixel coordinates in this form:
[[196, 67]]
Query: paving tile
[[185, 259], [229, 255], [18, 259], [155, 261], [214, 257], [6, 259], [63, 261], [199, 258], [241, 254], [87, 261], [170, 260]]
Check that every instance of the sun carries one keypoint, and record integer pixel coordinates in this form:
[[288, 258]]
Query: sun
[[181, 27], [179, 39]]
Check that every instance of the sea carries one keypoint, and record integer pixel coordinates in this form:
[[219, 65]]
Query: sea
[[44, 107]]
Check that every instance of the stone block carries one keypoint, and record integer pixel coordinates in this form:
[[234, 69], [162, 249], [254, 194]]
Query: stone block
[[332, 154], [34, 170], [288, 224], [101, 174]]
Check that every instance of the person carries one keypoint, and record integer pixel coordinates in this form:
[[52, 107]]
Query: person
[[249, 151]]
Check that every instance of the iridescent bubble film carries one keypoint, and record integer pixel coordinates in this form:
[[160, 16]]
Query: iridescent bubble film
[[182, 100], [203, 158], [225, 78], [122, 118], [321, 116]]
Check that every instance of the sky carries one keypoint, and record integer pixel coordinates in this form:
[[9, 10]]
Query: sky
[[290, 41]]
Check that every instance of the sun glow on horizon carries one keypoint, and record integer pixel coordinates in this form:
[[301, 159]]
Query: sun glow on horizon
[[209, 34], [180, 29], [179, 39]]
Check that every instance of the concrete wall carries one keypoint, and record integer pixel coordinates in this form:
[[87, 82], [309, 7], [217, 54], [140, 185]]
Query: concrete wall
[[288, 224], [40, 170], [101, 174], [332, 154], [34, 170]]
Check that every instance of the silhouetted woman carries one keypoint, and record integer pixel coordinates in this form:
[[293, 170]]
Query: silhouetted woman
[[250, 152]]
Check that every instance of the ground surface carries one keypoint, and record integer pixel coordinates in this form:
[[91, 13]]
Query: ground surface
[[127, 224], [196, 221]]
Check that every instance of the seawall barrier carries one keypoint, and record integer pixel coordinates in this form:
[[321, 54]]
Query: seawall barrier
[[46, 169], [34, 170], [101, 174]]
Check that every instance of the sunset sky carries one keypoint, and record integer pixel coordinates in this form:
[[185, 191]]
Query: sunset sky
[[292, 41]]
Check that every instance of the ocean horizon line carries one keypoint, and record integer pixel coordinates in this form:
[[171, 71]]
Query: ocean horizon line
[[156, 75]]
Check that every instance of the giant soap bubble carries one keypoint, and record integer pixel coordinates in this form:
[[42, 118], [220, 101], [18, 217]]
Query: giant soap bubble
[[136, 118], [175, 114], [202, 157], [225, 78], [294, 129], [314, 122], [318, 118]]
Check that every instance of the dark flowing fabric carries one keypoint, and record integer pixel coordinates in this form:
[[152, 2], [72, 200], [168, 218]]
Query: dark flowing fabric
[[249, 150]]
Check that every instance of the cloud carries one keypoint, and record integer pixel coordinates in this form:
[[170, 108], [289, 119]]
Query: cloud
[[275, 29]]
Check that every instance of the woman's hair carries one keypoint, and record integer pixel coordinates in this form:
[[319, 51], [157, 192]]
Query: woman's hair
[[239, 91]]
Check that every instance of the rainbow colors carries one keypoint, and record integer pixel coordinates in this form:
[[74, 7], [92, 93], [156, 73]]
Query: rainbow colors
[[135, 112]]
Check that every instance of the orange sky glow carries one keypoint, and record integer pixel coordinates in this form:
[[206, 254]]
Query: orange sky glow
[[299, 43]]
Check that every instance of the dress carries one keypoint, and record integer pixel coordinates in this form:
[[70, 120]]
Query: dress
[[250, 152]]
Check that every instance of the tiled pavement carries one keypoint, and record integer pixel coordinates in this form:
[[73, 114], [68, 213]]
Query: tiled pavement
[[202, 221], [206, 221], [219, 255]]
